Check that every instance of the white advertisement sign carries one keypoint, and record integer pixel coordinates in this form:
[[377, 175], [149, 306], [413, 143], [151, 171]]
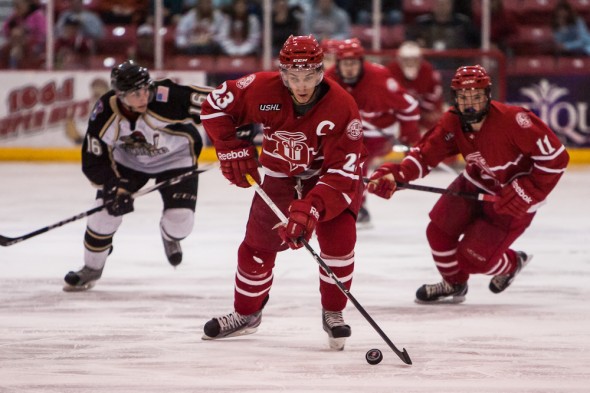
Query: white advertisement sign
[[50, 109]]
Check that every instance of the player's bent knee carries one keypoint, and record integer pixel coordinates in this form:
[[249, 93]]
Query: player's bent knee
[[103, 223], [253, 261], [178, 222]]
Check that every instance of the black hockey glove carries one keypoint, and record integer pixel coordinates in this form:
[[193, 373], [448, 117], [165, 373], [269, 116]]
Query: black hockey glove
[[117, 199]]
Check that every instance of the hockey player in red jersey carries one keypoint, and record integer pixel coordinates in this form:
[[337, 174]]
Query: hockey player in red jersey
[[388, 113], [330, 47], [509, 152], [311, 157], [419, 78]]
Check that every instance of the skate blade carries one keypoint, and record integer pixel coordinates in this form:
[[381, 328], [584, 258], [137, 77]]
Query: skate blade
[[239, 333], [337, 344], [79, 288], [447, 300]]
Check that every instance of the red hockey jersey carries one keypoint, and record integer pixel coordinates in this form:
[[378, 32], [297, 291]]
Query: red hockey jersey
[[325, 141], [383, 103], [511, 143], [426, 88]]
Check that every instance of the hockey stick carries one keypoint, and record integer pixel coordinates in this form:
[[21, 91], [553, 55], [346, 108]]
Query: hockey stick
[[479, 196], [403, 355], [9, 241]]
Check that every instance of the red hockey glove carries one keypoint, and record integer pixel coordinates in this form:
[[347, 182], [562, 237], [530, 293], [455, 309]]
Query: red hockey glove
[[236, 163], [117, 199], [515, 199], [303, 217], [382, 182]]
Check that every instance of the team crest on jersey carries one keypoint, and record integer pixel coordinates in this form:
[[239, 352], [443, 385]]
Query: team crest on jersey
[[354, 130], [523, 120], [136, 144], [477, 159], [392, 84], [98, 108], [291, 147], [245, 81]]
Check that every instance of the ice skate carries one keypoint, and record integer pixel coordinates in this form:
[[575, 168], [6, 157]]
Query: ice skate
[[337, 330], [232, 325], [363, 219], [173, 251], [82, 280], [502, 281], [441, 292]]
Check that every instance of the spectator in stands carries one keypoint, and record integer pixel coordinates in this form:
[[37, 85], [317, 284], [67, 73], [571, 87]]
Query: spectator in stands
[[443, 28], [72, 47], [504, 25], [91, 25], [326, 20], [286, 20], [198, 30], [391, 11], [17, 53], [143, 50], [123, 11], [419, 78], [172, 10], [28, 15], [570, 31], [240, 34]]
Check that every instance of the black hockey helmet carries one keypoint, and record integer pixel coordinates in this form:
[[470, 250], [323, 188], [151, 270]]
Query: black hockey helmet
[[130, 76]]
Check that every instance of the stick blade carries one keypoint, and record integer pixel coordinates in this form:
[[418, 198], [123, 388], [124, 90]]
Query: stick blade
[[7, 241], [405, 357]]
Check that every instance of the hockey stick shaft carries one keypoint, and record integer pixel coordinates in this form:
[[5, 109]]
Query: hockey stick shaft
[[479, 196], [403, 355], [9, 241]]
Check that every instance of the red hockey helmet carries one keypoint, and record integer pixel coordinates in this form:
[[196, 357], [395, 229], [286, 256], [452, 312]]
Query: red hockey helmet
[[330, 45], [301, 52], [471, 77], [468, 78], [350, 49]]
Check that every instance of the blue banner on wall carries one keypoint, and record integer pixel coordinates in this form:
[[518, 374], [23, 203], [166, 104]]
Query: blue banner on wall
[[560, 101]]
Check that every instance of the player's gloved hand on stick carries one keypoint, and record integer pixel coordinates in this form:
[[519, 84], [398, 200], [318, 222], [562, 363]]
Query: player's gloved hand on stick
[[117, 199], [303, 217], [382, 181], [235, 163], [515, 198]]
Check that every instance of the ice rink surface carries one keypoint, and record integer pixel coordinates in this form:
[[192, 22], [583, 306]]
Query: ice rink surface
[[139, 329]]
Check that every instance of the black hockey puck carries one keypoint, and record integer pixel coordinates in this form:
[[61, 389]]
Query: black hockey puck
[[374, 356]]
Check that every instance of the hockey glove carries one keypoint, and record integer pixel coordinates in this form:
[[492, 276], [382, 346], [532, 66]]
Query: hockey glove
[[303, 217], [117, 199], [515, 199], [382, 182], [236, 163]]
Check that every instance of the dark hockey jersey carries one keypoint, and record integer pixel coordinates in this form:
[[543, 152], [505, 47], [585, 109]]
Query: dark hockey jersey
[[165, 137]]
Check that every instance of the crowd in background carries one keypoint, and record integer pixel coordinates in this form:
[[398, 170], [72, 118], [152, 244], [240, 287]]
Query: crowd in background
[[234, 27]]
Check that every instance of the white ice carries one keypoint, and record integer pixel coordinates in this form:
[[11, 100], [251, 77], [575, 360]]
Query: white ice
[[139, 329]]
